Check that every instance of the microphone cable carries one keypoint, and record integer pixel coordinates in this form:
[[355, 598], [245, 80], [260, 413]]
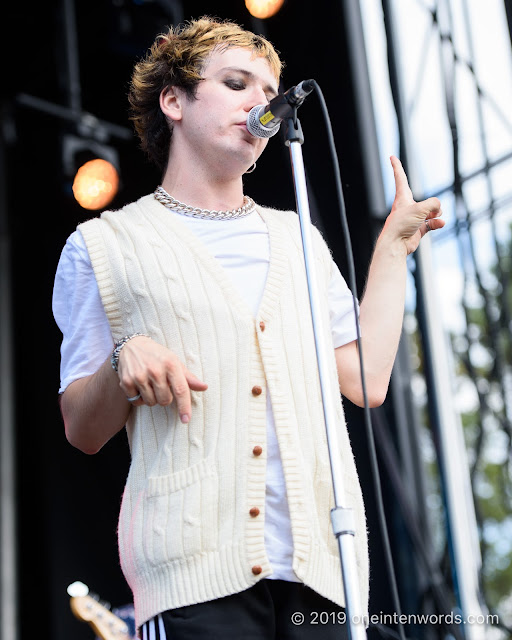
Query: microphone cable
[[367, 418]]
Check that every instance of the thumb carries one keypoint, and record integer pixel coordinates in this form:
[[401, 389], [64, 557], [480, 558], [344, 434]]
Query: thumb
[[194, 383]]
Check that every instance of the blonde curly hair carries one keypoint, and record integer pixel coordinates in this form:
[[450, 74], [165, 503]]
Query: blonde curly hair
[[177, 58]]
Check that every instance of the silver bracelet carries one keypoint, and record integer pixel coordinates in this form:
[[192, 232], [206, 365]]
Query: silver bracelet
[[114, 358]]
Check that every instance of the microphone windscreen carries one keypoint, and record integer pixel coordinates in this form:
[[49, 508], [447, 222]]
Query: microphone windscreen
[[255, 127]]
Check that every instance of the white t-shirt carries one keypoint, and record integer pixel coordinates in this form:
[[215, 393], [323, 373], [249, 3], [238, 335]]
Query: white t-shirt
[[242, 248]]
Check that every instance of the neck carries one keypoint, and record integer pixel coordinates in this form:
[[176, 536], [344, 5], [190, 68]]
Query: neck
[[203, 188]]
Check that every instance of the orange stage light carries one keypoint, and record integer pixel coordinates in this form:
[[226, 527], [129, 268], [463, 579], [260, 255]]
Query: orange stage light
[[263, 8], [96, 184]]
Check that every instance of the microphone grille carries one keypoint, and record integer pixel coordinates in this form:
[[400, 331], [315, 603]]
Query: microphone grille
[[255, 127]]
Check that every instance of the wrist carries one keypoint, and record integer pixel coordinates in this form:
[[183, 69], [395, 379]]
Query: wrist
[[118, 346], [391, 246]]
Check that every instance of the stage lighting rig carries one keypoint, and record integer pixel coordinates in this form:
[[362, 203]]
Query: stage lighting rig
[[95, 184], [94, 168]]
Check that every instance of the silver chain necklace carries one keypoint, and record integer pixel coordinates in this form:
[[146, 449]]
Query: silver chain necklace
[[168, 201]]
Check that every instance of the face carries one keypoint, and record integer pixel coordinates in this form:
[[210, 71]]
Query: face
[[212, 127]]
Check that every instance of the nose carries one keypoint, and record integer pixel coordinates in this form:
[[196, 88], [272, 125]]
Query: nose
[[254, 97]]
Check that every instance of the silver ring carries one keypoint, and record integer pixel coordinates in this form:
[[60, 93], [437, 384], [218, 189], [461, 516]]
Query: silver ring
[[427, 224], [133, 398]]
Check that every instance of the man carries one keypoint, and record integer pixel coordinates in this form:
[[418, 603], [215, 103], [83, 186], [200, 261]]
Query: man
[[225, 525]]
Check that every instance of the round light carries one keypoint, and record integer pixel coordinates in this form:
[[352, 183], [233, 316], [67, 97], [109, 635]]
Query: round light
[[263, 8], [95, 184]]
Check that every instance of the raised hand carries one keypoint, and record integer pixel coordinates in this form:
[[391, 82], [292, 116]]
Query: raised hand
[[409, 221]]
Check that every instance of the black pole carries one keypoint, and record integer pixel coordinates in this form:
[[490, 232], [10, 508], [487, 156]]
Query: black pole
[[508, 10]]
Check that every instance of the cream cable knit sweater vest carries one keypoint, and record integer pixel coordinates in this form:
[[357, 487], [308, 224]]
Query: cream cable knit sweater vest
[[189, 527]]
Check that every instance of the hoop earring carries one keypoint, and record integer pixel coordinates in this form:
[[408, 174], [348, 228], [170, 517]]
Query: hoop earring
[[251, 169]]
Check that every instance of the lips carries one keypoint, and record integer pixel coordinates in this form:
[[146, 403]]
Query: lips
[[245, 132]]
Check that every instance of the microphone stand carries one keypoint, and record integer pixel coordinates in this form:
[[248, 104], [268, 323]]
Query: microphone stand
[[342, 518]]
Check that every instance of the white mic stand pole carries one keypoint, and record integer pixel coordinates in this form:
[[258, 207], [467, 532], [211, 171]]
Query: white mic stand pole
[[342, 518]]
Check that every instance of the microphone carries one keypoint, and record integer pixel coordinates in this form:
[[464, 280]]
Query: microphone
[[264, 120]]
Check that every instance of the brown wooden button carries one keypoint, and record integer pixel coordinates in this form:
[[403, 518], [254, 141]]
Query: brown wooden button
[[254, 512], [257, 570], [262, 325], [257, 451], [256, 391]]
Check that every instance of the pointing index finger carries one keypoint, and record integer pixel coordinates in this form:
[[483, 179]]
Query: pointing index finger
[[403, 191]]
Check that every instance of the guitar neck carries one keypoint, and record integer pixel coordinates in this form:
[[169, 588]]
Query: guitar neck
[[106, 624]]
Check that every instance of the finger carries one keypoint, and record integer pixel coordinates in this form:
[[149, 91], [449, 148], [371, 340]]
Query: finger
[[130, 391], [133, 386], [403, 191], [432, 207], [136, 400], [431, 224], [163, 393], [181, 392], [158, 383], [147, 395]]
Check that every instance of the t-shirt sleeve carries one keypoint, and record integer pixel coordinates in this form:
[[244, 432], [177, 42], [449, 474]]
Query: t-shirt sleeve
[[79, 313], [341, 309]]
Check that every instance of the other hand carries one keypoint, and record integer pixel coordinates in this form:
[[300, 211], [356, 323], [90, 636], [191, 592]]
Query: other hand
[[158, 375], [409, 221]]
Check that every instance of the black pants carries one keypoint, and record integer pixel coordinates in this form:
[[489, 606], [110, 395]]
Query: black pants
[[270, 610]]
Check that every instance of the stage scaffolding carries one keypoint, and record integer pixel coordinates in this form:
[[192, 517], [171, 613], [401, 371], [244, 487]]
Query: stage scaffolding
[[8, 513], [463, 413]]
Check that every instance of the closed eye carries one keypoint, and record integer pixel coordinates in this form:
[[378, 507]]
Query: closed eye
[[236, 85], [242, 77]]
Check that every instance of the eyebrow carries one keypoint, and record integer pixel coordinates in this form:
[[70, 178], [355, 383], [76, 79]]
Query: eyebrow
[[251, 76]]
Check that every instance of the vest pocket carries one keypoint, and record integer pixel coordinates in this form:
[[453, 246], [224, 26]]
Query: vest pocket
[[180, 515]]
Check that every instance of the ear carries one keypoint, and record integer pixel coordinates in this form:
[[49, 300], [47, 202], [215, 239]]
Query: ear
[[170, 103]]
